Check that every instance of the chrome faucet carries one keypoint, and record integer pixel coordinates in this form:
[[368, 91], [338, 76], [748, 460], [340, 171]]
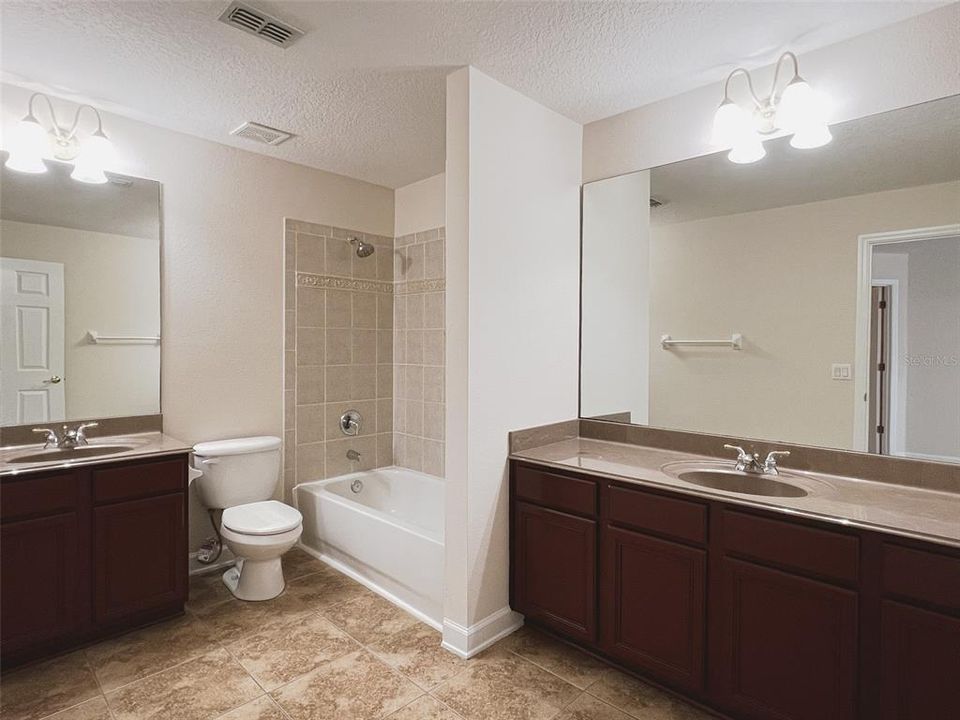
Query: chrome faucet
[[68, 437], [750, 462]]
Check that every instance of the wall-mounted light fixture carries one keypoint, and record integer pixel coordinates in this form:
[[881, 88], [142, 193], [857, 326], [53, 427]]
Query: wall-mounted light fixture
[[30, 142], [796, 110]]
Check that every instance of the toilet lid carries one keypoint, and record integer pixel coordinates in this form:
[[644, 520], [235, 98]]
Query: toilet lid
[[261, 518]]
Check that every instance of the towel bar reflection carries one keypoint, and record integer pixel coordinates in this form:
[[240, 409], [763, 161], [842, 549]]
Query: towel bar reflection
[[96, 338], [734, 343]]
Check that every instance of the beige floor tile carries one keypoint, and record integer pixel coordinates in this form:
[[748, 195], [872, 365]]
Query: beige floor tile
[[297, 563], [354, 687], [574, 666], [323, 590], [277, 656], [263, 708], [95, 709], [207, 590], [424, 708], [41, 690], [587, 707], [641, 700], [416, 653], [235, 619], [203, 688], [145, 652], [502, 686], [368, 617]]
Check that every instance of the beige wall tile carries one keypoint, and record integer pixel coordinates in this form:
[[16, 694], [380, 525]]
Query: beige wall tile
[[400, 415], [414, 319], [433, 347], [433, 311], [363, 382], [310, 346], [335, 458], [337, 383], [385, 381], [384, 449], [414, 415], [290, 330], [433, 384], [414, 268], [310, 254], [365, 267], [289, 409], [385, 263], [289, 370], [384, 416], [310, 307], [433, 259], [384, 310], [310, 461], [364, 309], [310, 384], [414, 347], [310, 421], [289, 290], [339, 346], [399, 347], [339, 257], [433, 421], [364, 346], [339, 309], [433, 458], [385, 346]]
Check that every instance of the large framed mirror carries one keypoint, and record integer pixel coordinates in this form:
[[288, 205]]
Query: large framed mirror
[[80, 284], [812, 297]]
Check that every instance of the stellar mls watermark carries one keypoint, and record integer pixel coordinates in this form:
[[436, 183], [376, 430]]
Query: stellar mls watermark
[[932, 361]]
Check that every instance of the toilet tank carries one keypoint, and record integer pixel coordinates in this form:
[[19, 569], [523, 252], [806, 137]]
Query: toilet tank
[[237, 471]]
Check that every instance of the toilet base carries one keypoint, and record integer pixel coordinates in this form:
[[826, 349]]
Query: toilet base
[[255, 580]]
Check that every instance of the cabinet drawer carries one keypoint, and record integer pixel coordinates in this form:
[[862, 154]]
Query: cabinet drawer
[[921, 576], [676, 518], [799, 547], [128, 482], [559, 492], [39, 495]]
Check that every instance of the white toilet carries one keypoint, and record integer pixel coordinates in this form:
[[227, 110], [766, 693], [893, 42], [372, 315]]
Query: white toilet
[[239, 477]]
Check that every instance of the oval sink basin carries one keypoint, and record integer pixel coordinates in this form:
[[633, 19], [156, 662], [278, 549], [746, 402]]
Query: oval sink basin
[[77, 453], [738, 482]]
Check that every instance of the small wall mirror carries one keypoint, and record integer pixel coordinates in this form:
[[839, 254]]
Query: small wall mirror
[[812, 297], [80, 283]]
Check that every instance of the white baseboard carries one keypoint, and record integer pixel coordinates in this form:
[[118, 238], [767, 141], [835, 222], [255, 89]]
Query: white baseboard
[[369, 584], [466, 642]]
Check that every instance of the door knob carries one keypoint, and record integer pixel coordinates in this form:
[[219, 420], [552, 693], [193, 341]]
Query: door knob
[[55, 379]]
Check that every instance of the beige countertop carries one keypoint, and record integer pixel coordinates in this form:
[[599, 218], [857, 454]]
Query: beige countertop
[[911, 512], [140, 445]]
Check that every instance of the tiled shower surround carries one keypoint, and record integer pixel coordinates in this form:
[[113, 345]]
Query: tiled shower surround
[[360, 332]]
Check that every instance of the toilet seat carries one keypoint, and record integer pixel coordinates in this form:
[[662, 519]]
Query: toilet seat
[[261, 518]]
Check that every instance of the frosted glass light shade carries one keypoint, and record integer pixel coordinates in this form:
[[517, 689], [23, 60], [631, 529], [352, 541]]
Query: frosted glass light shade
[[29, 143], [730, 123], [813, 136], [747, 150], [798, 107], [96, 155]]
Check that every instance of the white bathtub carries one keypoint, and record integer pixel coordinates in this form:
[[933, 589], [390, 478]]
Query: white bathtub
[[389, 535]]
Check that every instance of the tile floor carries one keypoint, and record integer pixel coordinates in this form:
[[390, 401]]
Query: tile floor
[[327, 648]]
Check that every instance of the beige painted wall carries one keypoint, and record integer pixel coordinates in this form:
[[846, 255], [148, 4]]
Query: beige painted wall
[[785, 278], [111, 285], [222, 262], [902, 64], [420, 206]]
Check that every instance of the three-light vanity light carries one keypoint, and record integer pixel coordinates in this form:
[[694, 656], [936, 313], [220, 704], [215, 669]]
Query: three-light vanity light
[[31, 142], [795, 110]]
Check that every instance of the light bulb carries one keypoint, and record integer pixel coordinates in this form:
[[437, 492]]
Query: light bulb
[[748, 149], [729, 123], [96, 155], [812, 136], [29, 143]]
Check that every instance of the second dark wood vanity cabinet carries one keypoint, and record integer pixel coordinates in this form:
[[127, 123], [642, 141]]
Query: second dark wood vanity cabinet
[[759, 615], [90, 551]]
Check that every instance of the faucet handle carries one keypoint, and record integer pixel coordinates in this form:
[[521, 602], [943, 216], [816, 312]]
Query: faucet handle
[[80, 432], [770, 464], [50, 437], [743, 453]]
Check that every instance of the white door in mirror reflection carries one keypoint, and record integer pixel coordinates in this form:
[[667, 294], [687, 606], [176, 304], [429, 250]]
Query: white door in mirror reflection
[[31, 335]]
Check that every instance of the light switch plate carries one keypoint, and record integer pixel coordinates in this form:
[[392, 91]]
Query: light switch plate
[[841, 371]]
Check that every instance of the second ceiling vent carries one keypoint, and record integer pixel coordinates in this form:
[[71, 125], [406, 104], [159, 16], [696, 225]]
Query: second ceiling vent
[[263, 25]]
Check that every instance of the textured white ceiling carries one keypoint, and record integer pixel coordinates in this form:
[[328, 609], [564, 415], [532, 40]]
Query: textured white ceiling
[[364, 90]]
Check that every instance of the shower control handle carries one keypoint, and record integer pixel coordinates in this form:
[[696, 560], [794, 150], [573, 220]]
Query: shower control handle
[[350, 422]]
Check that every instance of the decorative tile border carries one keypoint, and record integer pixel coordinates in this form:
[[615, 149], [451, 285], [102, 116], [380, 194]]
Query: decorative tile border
[[334, 282], [411, 287]]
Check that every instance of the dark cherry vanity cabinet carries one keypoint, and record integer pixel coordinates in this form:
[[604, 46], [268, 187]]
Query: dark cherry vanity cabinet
[[761, 616], [90, 551]]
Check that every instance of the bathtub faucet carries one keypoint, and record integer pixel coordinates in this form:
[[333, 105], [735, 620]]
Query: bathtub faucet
[[353, 455]]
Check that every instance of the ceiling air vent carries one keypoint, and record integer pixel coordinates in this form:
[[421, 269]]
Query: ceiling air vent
[[259, 23], [262, 134]]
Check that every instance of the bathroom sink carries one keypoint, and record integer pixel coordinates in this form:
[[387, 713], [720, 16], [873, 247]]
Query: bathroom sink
[[723, 476], [77, 453]]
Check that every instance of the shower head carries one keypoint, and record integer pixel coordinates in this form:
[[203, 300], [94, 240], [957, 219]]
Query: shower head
[[363, 249]]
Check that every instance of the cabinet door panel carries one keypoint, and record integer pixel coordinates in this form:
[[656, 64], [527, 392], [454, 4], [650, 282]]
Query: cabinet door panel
[[653, 605], [784, 646], [40, 587], [555, 569], [139, 556], [920, 663]]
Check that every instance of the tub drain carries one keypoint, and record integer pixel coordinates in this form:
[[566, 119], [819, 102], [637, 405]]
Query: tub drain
[[356, 485]]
